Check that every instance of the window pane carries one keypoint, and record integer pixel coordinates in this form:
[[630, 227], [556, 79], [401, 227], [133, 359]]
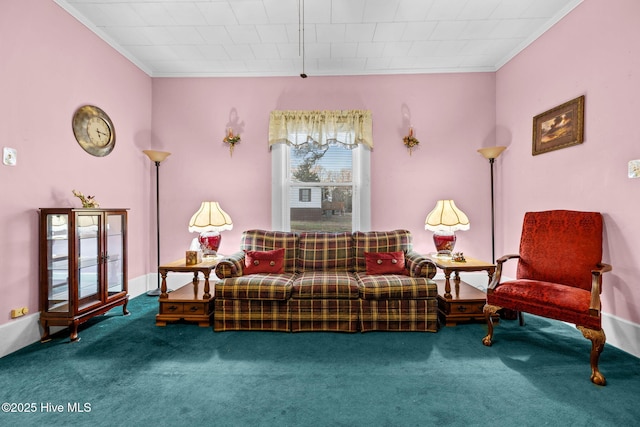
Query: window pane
[[326, 207], [313, 163]]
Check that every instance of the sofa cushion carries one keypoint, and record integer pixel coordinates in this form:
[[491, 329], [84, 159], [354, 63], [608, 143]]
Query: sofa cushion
[[395, 286], [325, 251], [262, 240], [378, 241], [256, 286], [326, 285], [264, 261], [385, 262]]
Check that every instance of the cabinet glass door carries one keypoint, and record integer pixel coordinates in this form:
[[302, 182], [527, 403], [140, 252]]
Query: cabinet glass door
[[88, 244], [58, 262], [115, 254]]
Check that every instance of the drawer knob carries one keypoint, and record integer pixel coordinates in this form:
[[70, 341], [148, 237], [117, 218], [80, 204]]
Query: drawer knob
[[172, 308], [462, 308]]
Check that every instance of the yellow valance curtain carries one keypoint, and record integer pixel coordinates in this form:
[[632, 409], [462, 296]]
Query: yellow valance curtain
[[349, 127]]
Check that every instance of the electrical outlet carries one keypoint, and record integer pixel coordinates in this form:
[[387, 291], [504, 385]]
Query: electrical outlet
[[10, 156], [634, 169], [18, 312]]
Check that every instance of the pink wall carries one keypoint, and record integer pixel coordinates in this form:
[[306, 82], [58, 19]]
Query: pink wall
[[453, 115], [50, 65], [46, 74], [594, 51]]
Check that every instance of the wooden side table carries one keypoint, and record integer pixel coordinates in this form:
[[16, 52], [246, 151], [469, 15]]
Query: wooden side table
[[467, 302], [205, 267], [193, 301]]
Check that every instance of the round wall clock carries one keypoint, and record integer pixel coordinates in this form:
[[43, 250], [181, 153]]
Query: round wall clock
[[94, 130]]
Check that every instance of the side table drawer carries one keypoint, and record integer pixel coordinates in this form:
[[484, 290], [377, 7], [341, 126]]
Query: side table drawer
[[182, 307], [194, 308], [457, 307], [171, 308], [186, 303]]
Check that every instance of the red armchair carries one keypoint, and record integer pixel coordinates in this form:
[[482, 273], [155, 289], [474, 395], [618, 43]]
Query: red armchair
[[559, 276]]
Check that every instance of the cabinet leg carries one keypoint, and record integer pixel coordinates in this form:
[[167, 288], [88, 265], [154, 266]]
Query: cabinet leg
[[124, 307], [73, 335], [46, 337]]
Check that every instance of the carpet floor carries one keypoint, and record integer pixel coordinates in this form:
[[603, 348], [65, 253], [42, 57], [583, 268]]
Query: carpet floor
[[126, 371]]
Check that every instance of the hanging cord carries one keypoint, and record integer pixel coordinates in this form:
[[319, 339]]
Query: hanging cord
[[301, 35]]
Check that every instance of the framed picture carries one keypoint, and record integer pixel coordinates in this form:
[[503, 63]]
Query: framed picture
[[560, 127]]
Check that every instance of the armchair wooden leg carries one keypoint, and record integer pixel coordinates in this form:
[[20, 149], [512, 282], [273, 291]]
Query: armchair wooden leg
[[598, 339], [489, 311]]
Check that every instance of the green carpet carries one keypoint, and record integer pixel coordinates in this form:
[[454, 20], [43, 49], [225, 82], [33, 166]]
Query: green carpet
[[129, 372]]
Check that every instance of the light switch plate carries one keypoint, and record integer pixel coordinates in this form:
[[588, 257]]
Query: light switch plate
[[9, 156], [634, 169]]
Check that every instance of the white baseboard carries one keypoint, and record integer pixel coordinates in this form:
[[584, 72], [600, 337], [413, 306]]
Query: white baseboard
[[621, 333], [26, 330]]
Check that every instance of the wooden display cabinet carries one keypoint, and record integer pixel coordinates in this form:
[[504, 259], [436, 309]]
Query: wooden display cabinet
[[83, 266]]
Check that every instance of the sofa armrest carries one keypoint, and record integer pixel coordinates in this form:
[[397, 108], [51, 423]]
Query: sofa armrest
[[419, 265], [231, 265]]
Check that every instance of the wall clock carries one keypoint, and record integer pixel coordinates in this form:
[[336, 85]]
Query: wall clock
[[94, 130]]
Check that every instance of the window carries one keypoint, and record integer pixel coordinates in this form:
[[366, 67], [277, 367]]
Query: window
[[304, 195], [320, 187]]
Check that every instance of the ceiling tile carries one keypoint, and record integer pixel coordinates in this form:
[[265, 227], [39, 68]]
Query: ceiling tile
[[389, 31]]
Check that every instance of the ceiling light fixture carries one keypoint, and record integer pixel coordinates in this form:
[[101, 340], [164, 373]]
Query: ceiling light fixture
[[301, 35]]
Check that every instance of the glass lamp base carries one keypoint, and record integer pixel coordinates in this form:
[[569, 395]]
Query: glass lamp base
[[209, 243], [444, 241]]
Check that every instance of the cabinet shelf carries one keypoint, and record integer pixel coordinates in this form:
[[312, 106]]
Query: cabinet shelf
[[83, 265]]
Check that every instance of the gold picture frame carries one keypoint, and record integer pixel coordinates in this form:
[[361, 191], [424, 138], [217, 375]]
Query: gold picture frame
[[560, 127]]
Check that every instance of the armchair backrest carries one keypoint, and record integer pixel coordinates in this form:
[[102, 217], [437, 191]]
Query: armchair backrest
[[560, 246], [262, 240]]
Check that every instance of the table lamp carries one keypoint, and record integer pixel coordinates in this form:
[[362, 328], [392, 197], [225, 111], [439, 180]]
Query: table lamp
[[209, 220], [444, 220]]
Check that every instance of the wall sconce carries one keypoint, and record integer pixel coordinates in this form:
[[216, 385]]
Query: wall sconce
[[231, 139], [410, 141]]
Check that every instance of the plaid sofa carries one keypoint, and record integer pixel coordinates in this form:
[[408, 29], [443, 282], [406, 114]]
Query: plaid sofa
[[325, 285]]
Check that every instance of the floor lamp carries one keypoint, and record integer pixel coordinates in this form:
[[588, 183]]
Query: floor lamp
[[157, 157], [492, 153]]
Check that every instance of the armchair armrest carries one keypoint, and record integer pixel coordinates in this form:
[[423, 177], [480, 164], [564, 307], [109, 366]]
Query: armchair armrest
[[596, 287], [231, 266], [498, 274], [419, 265]]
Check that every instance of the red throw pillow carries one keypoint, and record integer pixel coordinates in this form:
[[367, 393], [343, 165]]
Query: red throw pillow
[[385, 262], [264, 261]]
